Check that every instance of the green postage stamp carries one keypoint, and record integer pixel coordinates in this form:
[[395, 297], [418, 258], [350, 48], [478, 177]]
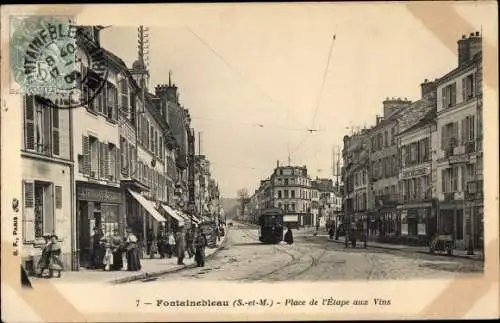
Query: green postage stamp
[[53, 58]]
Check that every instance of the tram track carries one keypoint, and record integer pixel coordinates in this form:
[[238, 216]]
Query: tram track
[[314, 261]]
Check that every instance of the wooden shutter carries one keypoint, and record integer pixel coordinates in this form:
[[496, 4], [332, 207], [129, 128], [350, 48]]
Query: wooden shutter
[[55, 131], [106, 161], [29, 211], [86, 155], [464, 89], [118, 157], [455, 132], [453, 94], [29, 121], [443, 97], [472, 127], [58, 197], [463, 130]]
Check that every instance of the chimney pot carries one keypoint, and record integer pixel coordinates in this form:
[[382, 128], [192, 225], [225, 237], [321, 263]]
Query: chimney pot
[[472, 34], [463, 37], [425, 81], [477, 33]]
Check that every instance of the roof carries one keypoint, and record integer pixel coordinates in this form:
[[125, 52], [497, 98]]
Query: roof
[[426, 119], [474, 61]]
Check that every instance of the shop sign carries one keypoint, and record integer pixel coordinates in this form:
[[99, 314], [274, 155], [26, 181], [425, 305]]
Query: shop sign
[[415, 172], [459, 159], [98, 195]]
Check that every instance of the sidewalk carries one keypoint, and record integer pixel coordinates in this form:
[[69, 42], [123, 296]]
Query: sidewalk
[[458, 253], [150, 268]]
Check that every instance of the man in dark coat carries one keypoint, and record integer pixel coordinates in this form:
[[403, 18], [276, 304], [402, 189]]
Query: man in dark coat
[[289, 236], [180, 246]]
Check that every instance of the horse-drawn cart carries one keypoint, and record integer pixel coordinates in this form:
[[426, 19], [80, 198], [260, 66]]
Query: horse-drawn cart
[[442, 243]]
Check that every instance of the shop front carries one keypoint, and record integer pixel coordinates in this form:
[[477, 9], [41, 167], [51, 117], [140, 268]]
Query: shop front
[[97, 206], [451, 221], [144, 219], [174, 219]]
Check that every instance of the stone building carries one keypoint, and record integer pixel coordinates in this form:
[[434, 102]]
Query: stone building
[[417, 167], [355, 154], [383, 180], [291, 191], [459, 150]]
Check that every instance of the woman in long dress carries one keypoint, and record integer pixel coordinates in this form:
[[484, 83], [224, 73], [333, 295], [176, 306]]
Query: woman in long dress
[[55, 263], [43, 262], [170, 244], [98, 248], [116, 242], [132, 247], [289, 236], [200, 244], [180, 246]]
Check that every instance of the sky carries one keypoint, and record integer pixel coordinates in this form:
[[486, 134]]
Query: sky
[[255, 82]]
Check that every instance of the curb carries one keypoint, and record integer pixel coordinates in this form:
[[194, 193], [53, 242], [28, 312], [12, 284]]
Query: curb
[[411, 251], [166, 271]]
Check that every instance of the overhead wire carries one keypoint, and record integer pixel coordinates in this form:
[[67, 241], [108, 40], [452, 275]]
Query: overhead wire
[[242, 76]]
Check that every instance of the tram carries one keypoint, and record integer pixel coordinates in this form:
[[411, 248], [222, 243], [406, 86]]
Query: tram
[[271, 225]]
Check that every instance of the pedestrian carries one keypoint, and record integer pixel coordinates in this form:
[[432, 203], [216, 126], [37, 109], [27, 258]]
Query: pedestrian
[[132, 247], [331, 232], [98, 248], [190, 236], [217, 233], [43, 262], [108, 254], [170, 244], [180, 246], [55, 263], [200, 244], [116, 242], [289, 236], [161, 244]]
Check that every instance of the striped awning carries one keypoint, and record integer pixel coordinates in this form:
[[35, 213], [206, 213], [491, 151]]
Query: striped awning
[[148, 206], [171, 212]]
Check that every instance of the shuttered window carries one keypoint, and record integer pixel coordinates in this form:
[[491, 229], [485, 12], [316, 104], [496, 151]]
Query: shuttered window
[[55, 131], [29, 211], [102, 173], [86, 155], [58, 197], [29, 122], [124, 101]]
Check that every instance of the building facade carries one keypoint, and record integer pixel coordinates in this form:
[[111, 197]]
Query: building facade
[[459, 132], [291, 191]]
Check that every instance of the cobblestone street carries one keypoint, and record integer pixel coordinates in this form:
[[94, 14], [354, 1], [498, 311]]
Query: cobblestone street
[[315, 258]]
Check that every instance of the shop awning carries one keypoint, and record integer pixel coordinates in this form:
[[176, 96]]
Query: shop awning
[[149, 206], [173, 214]]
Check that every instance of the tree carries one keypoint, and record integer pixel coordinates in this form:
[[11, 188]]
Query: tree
[[243, 198]]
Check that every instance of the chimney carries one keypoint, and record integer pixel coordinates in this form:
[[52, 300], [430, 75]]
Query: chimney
[[277, 163], [468, 47], [172, 95], [428, 90], [393, 105]]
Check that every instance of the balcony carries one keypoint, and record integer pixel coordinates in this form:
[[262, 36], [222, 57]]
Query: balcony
[[386, 200], [470, 147], [449, 196], [415, 198]]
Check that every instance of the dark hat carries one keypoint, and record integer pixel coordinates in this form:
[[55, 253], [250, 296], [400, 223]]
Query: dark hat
[[47, 235], [54, 236]]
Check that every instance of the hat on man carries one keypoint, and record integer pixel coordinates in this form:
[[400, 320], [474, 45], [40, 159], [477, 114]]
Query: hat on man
[[47, 235]]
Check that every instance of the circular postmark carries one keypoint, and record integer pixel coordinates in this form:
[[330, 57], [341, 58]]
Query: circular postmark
[[60, 63]]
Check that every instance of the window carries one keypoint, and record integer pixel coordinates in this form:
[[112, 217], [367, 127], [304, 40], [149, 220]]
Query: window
[[468, 87], [161, 147], [124, 156], [94, 156], [41, 127], [279, 194], [386, 138], [449, 95], [286, 194], [293, 206], [111, 101], [151, 138], [425, 153], [379, 141], [38, 213], [132, 107], [468, 129], [293, 193], [286, 181], [393, 135], [110, 164], [373, 143], [449, 178], [124, 101], [449, 135]]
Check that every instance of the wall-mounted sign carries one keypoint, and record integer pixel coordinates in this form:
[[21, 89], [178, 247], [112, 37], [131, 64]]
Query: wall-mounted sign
[[459, 159], [98, 195], [423, 171]]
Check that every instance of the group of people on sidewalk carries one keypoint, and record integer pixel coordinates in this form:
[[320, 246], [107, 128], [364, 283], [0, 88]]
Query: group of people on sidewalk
[[50, 260], [108, 250]]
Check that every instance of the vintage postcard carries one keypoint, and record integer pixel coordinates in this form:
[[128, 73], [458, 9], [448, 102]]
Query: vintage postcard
[[248, 162]]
